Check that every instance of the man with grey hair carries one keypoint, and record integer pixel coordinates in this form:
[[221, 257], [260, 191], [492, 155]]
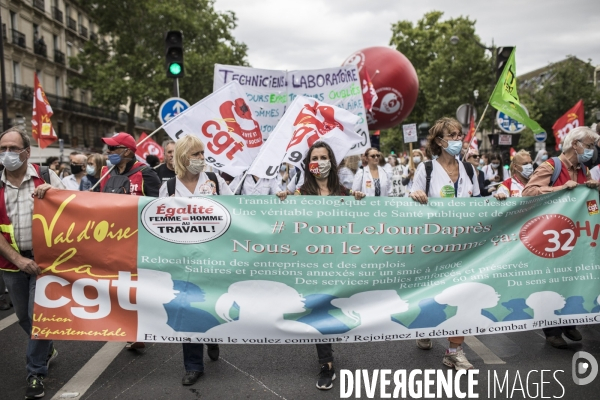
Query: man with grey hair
[[578, 148], [20, 182], [78, 164], [166, 170]]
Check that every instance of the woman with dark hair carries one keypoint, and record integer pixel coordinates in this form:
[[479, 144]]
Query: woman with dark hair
[[372, 179], [448, 177], [494, 173], [321, 179]]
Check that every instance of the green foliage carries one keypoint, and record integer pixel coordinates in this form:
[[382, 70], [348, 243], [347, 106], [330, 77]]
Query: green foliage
[[448, 73], [130, 64]]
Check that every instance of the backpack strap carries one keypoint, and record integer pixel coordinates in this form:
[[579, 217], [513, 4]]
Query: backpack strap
[[556, 172], [428, 171], [213, 177], [134, 170], [171, 186], [469, 168], [45, 174]]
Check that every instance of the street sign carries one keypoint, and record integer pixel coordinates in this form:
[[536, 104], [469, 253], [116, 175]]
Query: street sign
[[464, 114], [410, 133], [540, 137], [171, 107], [507, 124]]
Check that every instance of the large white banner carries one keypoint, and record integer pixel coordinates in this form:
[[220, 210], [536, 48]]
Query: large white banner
[[270, 92], [223, 122], [306, 122]]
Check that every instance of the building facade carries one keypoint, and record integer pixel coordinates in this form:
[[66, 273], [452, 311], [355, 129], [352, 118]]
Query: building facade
[[39, 37]]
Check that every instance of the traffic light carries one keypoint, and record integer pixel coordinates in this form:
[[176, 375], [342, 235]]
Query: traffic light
[[502, 55], [174, 54]]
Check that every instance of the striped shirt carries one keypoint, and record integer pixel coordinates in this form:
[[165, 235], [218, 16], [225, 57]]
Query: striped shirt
[[19, 205]]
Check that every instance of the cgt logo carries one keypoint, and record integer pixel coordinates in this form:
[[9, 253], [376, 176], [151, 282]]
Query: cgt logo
[[583, 364], [592, 207]]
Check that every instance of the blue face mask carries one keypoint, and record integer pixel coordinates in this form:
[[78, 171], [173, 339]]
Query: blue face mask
[[114, 159], [586, 156], [544, 157], [454, 147]]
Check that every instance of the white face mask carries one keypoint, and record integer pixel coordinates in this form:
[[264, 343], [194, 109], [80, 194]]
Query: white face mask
[[196, 166], [526, 170], [416, 159], [495, 165], [11, 161]]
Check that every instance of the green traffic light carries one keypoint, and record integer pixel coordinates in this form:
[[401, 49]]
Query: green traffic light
[[175, 68]]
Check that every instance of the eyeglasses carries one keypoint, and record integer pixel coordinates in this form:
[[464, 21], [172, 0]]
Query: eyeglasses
[[113, 148], [474, 156], [374, 156], [455, 135], [588, 146], [10, 149]]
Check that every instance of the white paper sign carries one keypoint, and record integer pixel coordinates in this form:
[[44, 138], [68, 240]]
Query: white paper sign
[[410, 133]]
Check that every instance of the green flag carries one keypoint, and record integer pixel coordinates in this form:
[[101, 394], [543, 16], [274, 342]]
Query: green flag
[[505, 97]]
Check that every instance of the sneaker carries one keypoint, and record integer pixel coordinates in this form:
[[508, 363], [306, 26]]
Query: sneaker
[[135, 345], [35, 387], [557, 342], [326, 377], [5, 305], [424, 344], [51, 356], [190, 377], [457, 359], [573, 334], [213, 351]]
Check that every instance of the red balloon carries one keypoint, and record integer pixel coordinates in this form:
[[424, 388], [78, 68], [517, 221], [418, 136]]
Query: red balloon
[[395, 81]]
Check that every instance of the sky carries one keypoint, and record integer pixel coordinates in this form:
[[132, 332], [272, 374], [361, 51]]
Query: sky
[[312, 34]]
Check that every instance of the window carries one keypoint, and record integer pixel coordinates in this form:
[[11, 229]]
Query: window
[[83, 96], [58, 86], [36, 32], [13, 20], [79, 19], [39, 72], [16, 73], [67, 10], [56, 42], [69, 49]]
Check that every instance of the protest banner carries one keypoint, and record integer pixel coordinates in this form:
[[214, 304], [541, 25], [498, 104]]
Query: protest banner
[[223, 122], [236, 269], [306, 122], [271, 92]]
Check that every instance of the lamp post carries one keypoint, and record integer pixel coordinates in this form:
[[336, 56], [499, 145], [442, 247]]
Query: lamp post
[[3, 83]]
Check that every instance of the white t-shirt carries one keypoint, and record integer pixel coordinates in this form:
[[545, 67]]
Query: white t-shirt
[[204, 187], [261, 186], [441, 185]]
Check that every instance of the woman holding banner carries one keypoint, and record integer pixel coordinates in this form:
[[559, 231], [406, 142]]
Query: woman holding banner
[[372, 179], [191, 180], [321, 179], [445, 177]]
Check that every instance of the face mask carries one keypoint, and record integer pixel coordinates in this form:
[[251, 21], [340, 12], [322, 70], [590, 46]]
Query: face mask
[[282, 168], [75, 169], [196, 166], [586, 156], [114, 159], [320, 169], [526, 170], [495, 165], [12, 161], [90, 170], [544, 157], [416, 160], [592, 162], [454, 147], [481, 162]]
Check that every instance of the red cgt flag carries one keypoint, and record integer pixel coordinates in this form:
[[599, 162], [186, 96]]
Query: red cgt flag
[[369, 93], [571, 120], [41, 126], [148, 147]]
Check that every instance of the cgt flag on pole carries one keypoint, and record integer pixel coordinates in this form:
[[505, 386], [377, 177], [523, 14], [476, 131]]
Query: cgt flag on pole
[[505, 98], [147, 147], [571, 120], [41, 126]]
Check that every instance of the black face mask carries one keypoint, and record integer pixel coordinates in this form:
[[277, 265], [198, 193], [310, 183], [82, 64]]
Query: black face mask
[[595, 160], [75, 169]]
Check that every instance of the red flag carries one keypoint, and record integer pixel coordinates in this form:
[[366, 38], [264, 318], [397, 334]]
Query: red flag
[[41, 126], [512, 153], [148, 147], [471, 130], [369, 94], [571, 120], [377, 133]]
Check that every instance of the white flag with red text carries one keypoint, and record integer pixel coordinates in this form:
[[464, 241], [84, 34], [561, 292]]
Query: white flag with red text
[[224, 122], [305, 122]]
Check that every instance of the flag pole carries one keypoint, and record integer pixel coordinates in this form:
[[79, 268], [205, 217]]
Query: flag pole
[[241, 181], [476, 129]]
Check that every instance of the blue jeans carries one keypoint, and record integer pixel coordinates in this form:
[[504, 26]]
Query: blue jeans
[[22, 290], [193, 356]]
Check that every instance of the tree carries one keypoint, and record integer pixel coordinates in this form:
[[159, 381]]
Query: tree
[[448, 73], [562, 85], [128, 65]]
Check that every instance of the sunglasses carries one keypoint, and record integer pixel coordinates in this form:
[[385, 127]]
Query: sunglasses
[[113, 148], [474, 156], [374, 156]]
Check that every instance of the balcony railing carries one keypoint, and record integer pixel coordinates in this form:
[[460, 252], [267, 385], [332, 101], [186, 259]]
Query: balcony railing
[[39, 4], [93, 36], [83, 31], [59, 57], [18, 38], [57, 14], [25, 94], [40, 49], [71, 24]]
